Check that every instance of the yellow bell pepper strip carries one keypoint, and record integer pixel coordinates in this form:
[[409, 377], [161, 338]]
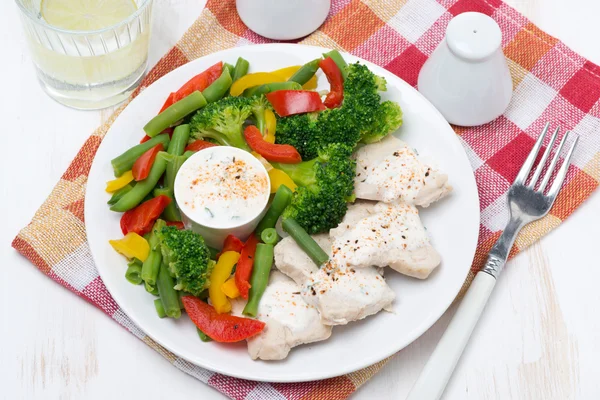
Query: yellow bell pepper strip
[[120, 182], [132, 246], [287, 73], [255, 79], [271, 125], [230, 289], [278, 178], [220, 274]]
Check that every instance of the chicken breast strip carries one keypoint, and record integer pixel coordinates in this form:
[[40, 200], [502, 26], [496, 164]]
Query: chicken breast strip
[[390, 171], [382, 235], [341, 294], [290, 321]]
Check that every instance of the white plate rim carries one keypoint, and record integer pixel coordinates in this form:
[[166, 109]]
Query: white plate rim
[[392, 80]]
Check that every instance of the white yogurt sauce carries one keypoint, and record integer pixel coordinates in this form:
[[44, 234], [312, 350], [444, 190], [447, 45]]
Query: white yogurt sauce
[[222, 187]]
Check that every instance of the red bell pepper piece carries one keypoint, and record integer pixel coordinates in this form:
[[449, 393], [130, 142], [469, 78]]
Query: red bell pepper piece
[[283, 153], [290, 102], [199, 145], [178, 224], [243, 271], [141, 218], [141, 167], [223, 328], [336, 82], [199, 82], [231, 243]]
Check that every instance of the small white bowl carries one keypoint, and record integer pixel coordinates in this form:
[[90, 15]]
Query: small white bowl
[[196, 183], [283, 19]]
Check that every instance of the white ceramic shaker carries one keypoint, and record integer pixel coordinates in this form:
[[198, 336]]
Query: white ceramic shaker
[[467, 78], [283, 19]]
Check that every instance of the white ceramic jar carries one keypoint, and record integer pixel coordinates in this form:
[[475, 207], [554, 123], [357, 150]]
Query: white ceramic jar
[[467, 78], [283, 19]]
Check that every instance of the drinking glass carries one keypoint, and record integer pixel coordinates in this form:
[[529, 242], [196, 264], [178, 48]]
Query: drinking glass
[[88, 69]]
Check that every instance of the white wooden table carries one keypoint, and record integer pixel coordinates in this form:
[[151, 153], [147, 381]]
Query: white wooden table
[[537, 340]]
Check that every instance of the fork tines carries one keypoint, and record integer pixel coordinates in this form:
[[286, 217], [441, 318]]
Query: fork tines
[[534, 182]]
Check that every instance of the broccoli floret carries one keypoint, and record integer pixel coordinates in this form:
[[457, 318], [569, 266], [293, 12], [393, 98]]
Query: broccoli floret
[[387, 119], [325, 185], [361, 117], [258, 105], [223, 121], [188, 259]]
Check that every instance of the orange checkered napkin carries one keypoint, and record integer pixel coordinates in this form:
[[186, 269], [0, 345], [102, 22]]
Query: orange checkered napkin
[[551, 83]]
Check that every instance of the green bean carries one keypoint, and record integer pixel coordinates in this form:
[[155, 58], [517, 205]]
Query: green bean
[[142, 188], [305, 72], [151, 289], [151, 266], [271, 87], [160, 310], [269, 236], [173, 165], [241, 68], [174, 113], [153, 240], [203, 336], [116, 196], [282, 198], [134, 270], [170, 213], [168, 295], [125, 161], [263, 261], [179, 140], [218, 88], [338, 59], [305, 241], [229, 68]]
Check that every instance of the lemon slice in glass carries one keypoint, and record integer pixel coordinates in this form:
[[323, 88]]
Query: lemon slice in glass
[[86, 15]]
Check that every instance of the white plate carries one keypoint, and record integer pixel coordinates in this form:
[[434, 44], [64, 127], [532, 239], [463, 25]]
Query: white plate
[[453, 225]]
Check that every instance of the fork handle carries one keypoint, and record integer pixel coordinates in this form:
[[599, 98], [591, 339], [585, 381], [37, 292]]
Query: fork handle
[[439, 368]]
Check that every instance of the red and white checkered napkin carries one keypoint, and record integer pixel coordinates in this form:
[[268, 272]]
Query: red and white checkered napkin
[[551, 83]]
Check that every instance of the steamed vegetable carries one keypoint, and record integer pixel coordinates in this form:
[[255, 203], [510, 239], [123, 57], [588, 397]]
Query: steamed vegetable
[[220, 274], [360, 117], [305, 241], [168, 295], [125, 161], [260, 277], [134, 271], [131, 246], [141, 219], [326, 184], [223, 122], [187, 257], [336, 82], [220, 327], [243, 271], [283, 153], [141, 167], [119, 183], [143, 188], [174, 113], [290, 102]]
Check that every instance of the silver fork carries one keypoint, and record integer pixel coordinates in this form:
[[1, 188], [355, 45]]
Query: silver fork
[[528, 201]]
